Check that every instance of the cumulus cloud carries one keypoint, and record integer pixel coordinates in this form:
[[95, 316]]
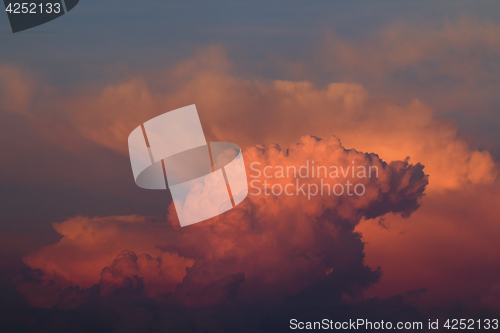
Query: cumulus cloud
[[237, 110], [91, 244], [267, 248], [249, 112]]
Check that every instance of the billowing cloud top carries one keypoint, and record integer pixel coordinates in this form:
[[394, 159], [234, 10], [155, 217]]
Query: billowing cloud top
[[267, 248]]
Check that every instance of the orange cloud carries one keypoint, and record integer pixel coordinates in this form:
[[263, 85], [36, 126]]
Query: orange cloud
[[268, 247], [248, 112], [89, 245]]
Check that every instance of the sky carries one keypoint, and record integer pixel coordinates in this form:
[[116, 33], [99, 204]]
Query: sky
[[409, 86]]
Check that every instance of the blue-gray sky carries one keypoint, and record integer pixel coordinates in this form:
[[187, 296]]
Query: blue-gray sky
[[155, 33]]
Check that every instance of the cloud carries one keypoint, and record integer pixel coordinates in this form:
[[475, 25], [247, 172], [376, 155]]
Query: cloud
[[247, 112], [449, 64], [91, 244], [404, 44], [242, 111], [267, 248], [159, 275]]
